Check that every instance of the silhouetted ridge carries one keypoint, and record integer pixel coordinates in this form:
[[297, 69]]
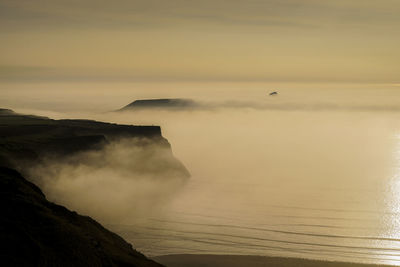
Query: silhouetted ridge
[[27, 138], [4, 111]]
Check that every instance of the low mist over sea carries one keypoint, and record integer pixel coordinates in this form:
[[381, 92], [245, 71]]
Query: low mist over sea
[[246, 132], [310, 172]]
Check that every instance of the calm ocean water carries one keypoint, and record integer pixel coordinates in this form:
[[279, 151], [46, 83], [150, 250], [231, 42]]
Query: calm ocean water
[[284, 178], [311, 172]]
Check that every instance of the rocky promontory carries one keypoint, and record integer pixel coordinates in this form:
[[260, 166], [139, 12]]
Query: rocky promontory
[[37, 232]]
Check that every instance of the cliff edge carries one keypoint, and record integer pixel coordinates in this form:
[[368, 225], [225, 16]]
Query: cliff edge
[[36, 232]]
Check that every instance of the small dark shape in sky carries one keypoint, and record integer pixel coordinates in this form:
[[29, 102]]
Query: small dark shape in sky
[[273, 93]]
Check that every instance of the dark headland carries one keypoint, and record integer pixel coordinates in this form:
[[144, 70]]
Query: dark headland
[[36, 232], [27, 139], [161, 103]]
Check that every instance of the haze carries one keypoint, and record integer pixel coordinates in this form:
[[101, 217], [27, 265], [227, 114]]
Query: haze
[[291, 40], [310, 172]]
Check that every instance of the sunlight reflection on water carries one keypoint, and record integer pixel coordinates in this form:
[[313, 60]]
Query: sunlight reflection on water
[[316, 185]]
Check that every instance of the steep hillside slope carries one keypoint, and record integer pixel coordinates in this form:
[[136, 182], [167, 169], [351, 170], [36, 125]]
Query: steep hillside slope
[[36, 232]]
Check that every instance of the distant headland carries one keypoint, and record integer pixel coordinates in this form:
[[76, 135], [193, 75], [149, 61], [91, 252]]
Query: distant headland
[[160, 103]]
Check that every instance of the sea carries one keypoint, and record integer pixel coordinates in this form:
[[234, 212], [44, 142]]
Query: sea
[[311, 172]]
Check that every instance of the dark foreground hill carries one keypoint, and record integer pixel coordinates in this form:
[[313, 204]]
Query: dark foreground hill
[[163, 103], [36, 232]]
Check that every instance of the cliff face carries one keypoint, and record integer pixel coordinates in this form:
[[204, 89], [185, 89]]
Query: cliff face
[[36, 232], [26, 140]]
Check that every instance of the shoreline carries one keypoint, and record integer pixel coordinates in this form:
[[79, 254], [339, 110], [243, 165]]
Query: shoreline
[[209, 260]]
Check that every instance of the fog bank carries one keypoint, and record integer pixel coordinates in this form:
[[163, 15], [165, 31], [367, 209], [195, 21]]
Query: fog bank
[[311, 172], [124, 179]]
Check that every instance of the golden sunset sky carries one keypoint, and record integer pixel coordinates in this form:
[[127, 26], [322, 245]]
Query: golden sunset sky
[[176, 40]]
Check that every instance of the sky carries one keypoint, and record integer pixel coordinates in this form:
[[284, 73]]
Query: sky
[[200, 41]]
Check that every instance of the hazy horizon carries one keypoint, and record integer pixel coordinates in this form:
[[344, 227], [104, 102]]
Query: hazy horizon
[[312, 171]]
